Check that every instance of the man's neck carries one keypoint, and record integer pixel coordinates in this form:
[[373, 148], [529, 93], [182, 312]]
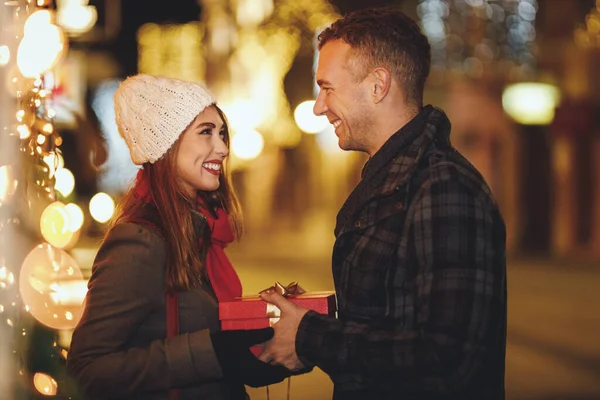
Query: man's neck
[[390, 124]]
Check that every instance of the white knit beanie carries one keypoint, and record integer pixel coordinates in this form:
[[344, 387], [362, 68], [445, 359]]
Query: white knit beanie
[[152, 112]]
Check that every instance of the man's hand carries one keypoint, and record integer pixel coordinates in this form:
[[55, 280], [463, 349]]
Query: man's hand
[[281, 350]]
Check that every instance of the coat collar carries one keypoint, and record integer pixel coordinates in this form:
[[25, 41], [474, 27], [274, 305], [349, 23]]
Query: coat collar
[[392, 166], [150, 213]]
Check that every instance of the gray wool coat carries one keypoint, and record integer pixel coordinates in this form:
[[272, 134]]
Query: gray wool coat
[[119, 350]]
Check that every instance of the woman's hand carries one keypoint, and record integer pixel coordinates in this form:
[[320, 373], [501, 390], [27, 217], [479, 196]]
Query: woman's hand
[[232, 349]]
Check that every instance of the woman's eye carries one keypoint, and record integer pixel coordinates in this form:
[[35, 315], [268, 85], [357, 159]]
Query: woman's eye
[[222, 135], [205, 132]]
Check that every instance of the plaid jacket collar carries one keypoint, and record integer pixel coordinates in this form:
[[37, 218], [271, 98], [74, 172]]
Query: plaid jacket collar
[[392, 166]]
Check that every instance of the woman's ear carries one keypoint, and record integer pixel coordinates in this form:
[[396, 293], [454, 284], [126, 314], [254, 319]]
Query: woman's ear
[[381, 84]]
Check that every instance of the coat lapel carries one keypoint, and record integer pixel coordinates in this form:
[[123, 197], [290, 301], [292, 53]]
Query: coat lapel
[[393, 165]]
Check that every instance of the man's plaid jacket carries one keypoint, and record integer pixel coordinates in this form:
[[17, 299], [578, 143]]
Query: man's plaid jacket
[[420, 274]]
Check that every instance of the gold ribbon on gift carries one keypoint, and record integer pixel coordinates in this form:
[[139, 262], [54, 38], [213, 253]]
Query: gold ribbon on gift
[[291, 290]]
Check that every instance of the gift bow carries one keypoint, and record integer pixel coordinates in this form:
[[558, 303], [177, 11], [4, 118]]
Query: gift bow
[[291, 290]]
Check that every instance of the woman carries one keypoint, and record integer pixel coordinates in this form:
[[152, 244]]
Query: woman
[[165, 252]]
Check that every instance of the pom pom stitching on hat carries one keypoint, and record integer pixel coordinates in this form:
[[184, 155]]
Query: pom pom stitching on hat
[[152, 112]]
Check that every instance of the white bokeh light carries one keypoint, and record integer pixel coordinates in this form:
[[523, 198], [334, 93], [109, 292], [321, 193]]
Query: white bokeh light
[[54, 225], [65, 182], [44, 271], [75, 217], [102, 207], [531, 103], [247, 144], [41, 46], [307, 121]]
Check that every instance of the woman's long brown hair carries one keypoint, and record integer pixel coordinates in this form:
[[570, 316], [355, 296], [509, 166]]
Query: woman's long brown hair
[[185, 261]]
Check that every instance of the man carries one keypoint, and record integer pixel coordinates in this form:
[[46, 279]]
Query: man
[[419, 259]]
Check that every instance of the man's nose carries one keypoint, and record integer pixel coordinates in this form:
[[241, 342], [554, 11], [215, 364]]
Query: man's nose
[[320, 108]]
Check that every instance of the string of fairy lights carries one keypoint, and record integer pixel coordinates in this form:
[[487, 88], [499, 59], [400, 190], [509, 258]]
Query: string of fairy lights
[[40, 282]]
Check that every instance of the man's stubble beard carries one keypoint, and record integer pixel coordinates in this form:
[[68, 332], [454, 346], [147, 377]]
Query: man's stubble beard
[[359, 130]]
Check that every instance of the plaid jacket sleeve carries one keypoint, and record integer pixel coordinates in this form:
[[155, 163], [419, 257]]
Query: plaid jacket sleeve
[[458, 292]]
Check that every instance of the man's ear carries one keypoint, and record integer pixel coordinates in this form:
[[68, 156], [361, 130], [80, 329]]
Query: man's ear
[[381, 83]]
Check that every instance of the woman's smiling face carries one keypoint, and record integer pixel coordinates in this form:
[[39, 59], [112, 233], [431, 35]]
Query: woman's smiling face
[[201, 152]]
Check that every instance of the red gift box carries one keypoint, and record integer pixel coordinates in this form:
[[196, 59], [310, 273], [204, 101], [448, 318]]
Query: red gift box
[[252, 312]]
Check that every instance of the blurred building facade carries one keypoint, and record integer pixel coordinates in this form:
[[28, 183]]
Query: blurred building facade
[[258, 56]]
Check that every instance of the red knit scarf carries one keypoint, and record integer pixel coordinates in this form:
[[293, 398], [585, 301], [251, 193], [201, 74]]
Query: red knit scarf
[[223, 278]]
